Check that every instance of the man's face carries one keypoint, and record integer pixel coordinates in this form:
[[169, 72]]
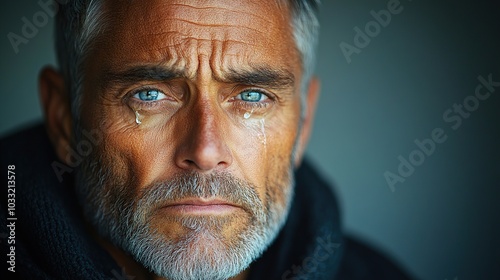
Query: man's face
[[198, 103]]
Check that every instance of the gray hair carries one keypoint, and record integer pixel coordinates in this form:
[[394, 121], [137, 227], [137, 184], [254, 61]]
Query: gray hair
[[80, 21]]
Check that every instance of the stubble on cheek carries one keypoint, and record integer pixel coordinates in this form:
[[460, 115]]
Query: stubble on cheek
[[279, 179], [105, 183], [280, 187]]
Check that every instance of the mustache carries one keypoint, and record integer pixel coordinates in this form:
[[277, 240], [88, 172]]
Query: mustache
[[220, 185]]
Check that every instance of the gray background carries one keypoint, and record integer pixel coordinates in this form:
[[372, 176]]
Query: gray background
[[443, 221]]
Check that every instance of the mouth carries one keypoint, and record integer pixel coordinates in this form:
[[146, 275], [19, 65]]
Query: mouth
[[200, 206]]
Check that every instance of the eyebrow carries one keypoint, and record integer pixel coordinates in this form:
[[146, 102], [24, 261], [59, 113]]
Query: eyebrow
[[137, 74], [254, 76], [260, 76]]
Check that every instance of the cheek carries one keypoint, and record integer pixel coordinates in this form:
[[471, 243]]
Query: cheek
[[278, 180], [146, 154], [140, 153], [264, 153]]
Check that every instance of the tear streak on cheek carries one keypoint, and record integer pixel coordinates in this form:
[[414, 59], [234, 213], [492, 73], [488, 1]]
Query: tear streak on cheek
[[257, 127], [263, 133]]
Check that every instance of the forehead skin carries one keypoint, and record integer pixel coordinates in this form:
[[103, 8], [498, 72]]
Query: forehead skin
[[228, 34]]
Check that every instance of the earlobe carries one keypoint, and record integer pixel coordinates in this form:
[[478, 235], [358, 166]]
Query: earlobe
[[56, 109], [311, 100]]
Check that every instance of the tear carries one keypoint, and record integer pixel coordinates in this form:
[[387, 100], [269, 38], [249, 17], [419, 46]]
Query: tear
[[137, 116], [263, 131], [248, 114]]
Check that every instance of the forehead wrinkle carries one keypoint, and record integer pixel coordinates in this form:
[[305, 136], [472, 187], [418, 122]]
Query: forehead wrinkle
[[226, 10], [212, 18], [240, 23], [213, 25], [213, 15], [176, 41], [225, 42], [265, 20], [168, 33]]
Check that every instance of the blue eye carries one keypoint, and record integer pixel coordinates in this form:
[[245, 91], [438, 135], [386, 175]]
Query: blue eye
[[149, 95], [252, 96]]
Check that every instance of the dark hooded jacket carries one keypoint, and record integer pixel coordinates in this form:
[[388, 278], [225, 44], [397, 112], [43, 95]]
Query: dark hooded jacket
[[52, 243]]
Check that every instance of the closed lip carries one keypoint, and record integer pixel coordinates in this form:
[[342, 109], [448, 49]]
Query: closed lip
[[200, 202], [200, 205]]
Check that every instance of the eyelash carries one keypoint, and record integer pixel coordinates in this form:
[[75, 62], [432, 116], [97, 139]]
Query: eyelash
[[265, 93], [144, 104], [247, 105], [252, 105]]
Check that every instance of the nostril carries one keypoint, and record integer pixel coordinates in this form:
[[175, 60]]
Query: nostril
[[189, 163]]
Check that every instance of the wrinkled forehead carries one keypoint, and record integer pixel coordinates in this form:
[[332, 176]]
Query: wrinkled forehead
[[182, 33]]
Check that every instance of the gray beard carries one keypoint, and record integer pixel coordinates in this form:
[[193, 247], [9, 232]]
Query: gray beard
[[124, 218]]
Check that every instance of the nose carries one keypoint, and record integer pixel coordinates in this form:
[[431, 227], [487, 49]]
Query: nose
[[203, 147]]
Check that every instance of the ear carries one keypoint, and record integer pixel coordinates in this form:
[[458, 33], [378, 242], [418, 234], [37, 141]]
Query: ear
[[307, 124], [57, 110]]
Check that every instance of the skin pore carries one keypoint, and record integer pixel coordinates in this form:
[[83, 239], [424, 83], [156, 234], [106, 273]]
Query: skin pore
[[188, 87]]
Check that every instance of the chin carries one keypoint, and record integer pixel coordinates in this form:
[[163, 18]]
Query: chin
[[199, 247]]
